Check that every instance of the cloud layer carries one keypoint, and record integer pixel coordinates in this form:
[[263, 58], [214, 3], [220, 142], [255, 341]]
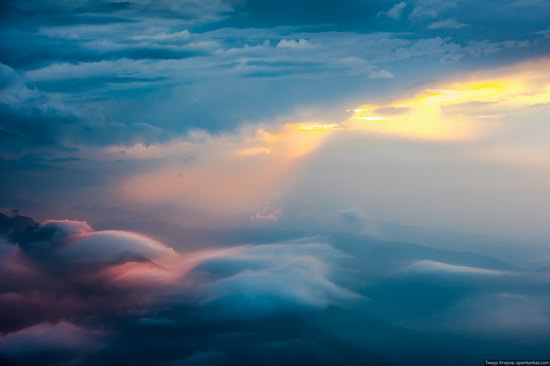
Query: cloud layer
[[79, 296], [68, 283]]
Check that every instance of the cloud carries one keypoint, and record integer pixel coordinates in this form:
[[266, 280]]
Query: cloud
[[24, 111], [60, 342], [395, 11], [272, 277], [435, 266], [459, 110], [429, 9], [266, 213], [503, 315], [77, 63], [291, 43], [111, 291], [193, 10], [356, 219], [34, 120], [64, 269], [266, 155], [381, 74], [164, 36], [73, 248], [73, 243], [447, 24], [97, 103]]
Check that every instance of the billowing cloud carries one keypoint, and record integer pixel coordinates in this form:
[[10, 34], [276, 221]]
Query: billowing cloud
[[64, 269], [76, 242], [265, 278]]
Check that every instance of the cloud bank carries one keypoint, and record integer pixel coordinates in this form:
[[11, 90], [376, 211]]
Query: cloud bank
[[65, 284], [75, 295]]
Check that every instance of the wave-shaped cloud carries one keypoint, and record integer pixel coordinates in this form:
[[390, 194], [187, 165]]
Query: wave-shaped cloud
[[259, 279], [442, 267], [64, 269]]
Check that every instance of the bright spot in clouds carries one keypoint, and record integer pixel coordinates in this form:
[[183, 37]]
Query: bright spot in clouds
[[458, 110]]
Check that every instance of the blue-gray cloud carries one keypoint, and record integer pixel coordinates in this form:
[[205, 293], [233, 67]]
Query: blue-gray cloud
[[33, 119], [94, 56]]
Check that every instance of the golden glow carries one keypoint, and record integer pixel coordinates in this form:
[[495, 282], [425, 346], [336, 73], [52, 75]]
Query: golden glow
[[291, 140], [252, 151], [316, 127], [457, 110], [230, 173]]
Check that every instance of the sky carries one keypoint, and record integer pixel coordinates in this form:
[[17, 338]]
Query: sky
[[306, 163]]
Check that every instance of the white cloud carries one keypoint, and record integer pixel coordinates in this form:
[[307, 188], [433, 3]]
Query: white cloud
[[447, 24], [292, 43], [381, 74], [395, 11], [430, 9], [263, 278], [435, 266], [165, 36], [76, 242]]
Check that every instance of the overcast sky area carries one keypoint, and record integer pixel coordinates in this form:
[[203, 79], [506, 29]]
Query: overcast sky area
[[283, 176]]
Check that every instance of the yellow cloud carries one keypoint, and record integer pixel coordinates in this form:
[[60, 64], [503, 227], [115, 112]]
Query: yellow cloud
[[292, 140], [457, 110]]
